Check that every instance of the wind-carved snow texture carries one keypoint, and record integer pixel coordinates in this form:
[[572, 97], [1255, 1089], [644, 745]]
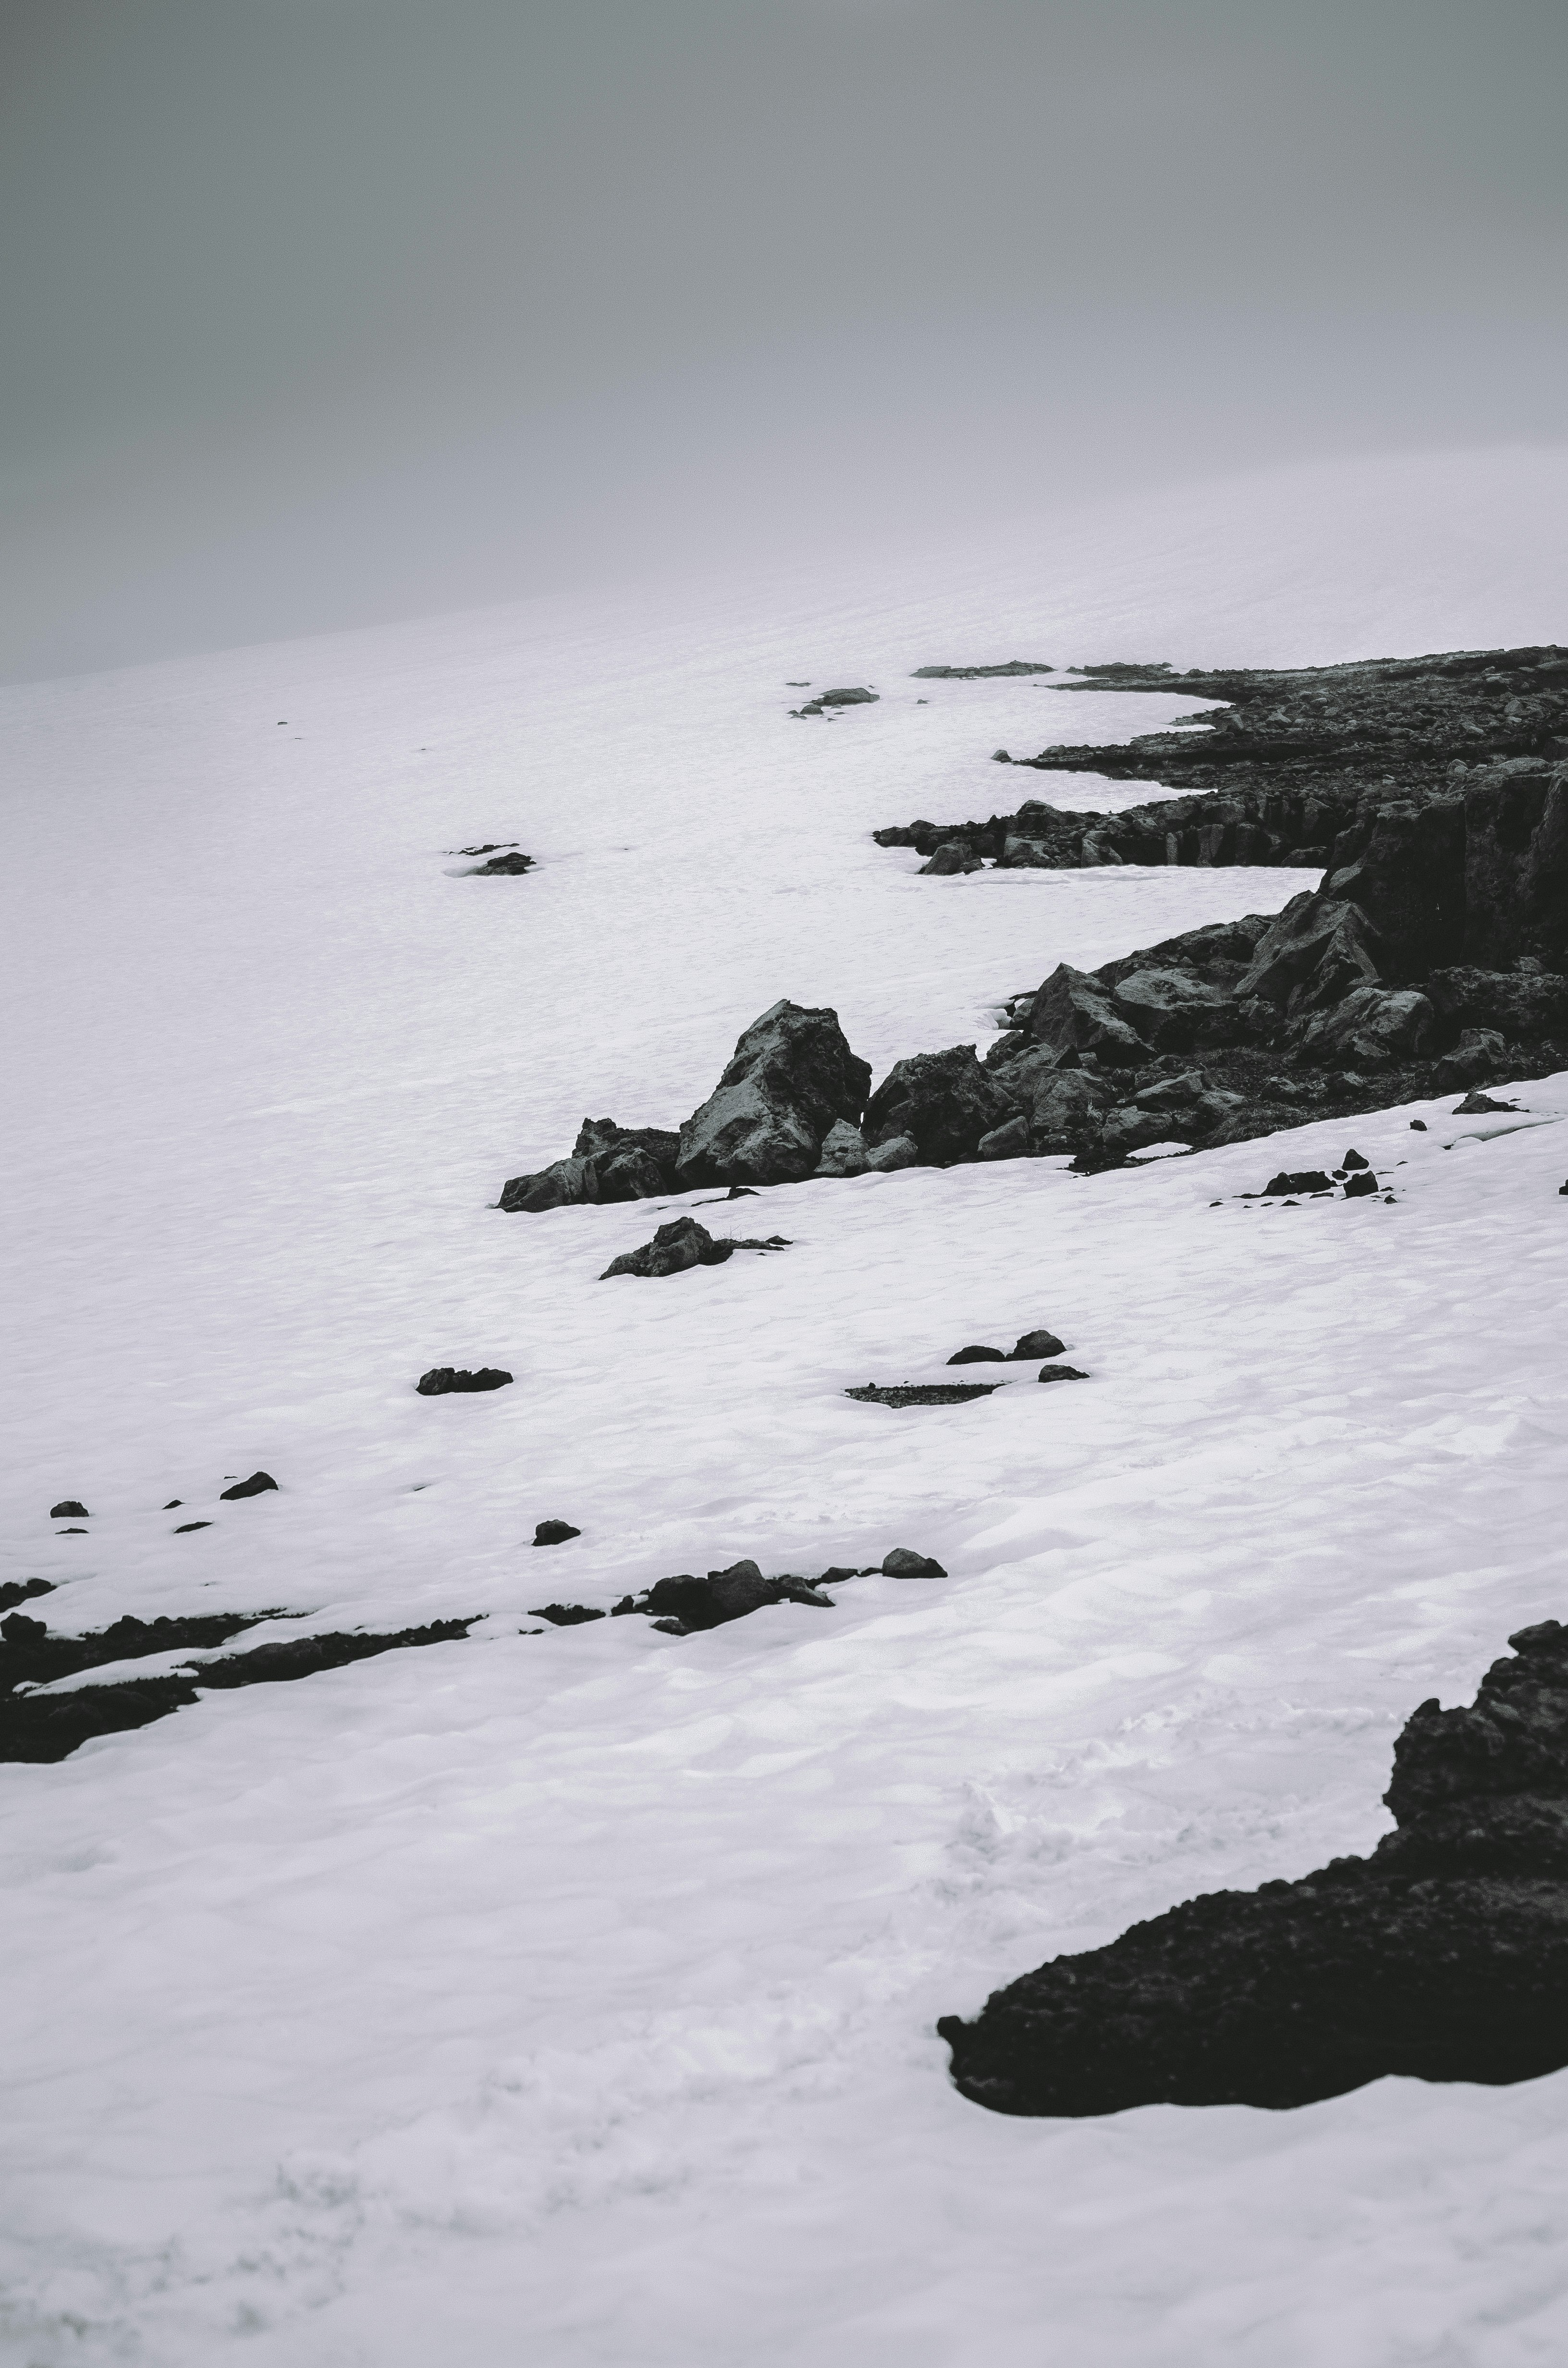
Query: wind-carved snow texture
[[575, 1992]]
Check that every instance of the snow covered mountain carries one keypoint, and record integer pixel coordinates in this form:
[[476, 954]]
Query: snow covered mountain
[[568, 1994]]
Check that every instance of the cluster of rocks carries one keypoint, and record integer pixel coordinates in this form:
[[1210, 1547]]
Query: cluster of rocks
[[1444, 1956], [858, 697], [49, 1726], [686, 1604]]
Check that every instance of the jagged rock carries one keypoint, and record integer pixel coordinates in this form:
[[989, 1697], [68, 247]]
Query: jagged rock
[[1372, 1027], [1516, 1003], [443, 1380], [905, 1563], [565, 1615], [1355, 1159], [1060, 1373], [499, 865], [908, 1393], [1030, 1345], [725, 1595], [1478, 1057], [944, 1101], [1074, 1010], [1358, 1188], [1174, 1009], [792, 1076], [1178, 1094], [257, 1485], [1409, 881], [977, 1356], [608, 1163], [68, 1510], [1305, 1179], [1482, 1106], [1061, 1104], [1008, 1141], [1443, 1956], [183, 1529], [843, 1151], [682, 1243], [555, 1533], [954, 855], [899, 1151], [982, 673], [1313, 934]]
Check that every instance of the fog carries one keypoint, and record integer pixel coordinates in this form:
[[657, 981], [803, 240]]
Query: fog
[[319, 311]]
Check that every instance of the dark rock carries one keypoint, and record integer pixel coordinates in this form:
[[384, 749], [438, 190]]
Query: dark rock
[[944, 1102], [1355, 1159], [725, 1595], [182, 1529], [978, 1356], [1060, 1373], [490, 847], [555, 1533], [445, 1380], [565, 1615], [826, 698], [908, 1393], [905, 1563], [1482, 1106], [953, 856], [1518, 1004], [1517, 862], [899, 1151], [502, 865], [1357, 1187], [620, 1611], [1008, 1141], [22, 1590], [836, 1576], [1372, 1026], [1443, 1956], [1315, 951], [174, 1504], [791, 1078], [1131, 1129], [843, 1151], [608, 1163], [1479, 1056], [1074, 1011], [1418, 1126], [981, 674], [257, 1485], [1306, 1179], [682, 1243], [1409, 881], [1031, 1345], [68, 1510], [44, 1727], [1174, 1010]]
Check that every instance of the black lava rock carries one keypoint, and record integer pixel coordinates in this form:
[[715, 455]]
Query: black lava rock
[[1310, 1180], [1444, 1956], [68, 1510], [174, 1504], [1354, 1159], [1482, 1106], [503, 866], [905, 1563], [257, 1485], [682, 1243], [22, 1590], [1034, 1344], [978, 1356], [565, 1615], [183, 1529], [858, 697], [1061, 1373], [725, 1595], [1357, 1187], [443, 1381], [555, 1533]]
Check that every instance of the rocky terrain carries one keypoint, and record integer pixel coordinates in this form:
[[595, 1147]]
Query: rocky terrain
[[1444, 1956]]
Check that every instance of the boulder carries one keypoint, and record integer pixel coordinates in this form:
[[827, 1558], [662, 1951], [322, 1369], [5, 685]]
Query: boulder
[[1359, 1188], [1441, 1956], [443, 1382], [1060, 1373], [944, 1101], [682, 1243], [1182, 1092], [858, 696], [1060, 1104], [1516, 1003], [1476, 1105], [1478, 1057], [1304, 1179], [1314, 933], [1031, 1345], [725, 1595], [1174, 1010], [500, 866], [564, 1615], [953, 856], [923, 1394], [1074, 1011], [1250, 1120], [1008, 1141], [562, 1185], [843, 1151], [555, 1533], [608, 1163], [978, 1355], [68, 1510], [1409, 881], [1372, 1027], [899, 1151], [791, 1078], [1209, 1112], [1131, 1128], [258, 1484], [905, 1563]]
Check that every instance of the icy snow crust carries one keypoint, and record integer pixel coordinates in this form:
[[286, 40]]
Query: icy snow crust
[[569, 1997]]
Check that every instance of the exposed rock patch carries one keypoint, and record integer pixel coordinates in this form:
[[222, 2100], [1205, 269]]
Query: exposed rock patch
[[908, 1393], [905, 1563], [1444, 1956], [683, 1243], [858, 697], [555, 1533], [445, 1380], [511, 866], [68, 1510], [565, 1615], [981, 674], [257, 1485]]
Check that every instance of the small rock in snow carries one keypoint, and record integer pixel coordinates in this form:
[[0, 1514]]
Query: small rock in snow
[[257, 1485], [905, 1563], [443, 1381], [977, 1356], [565, 1615], [1061, 1373], [183, 1528], [555, 1533], [1035, 1344], [1357, 1187], [68, 1510]]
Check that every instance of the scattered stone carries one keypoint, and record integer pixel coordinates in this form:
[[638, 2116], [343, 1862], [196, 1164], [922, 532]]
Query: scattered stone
[[792, 1076], [682, 1243], [259, 1482], [1443, 1956], [22, 1590], [1307, 1180], [979, 1357], [443, 1380], [908, 1393], [1061, 1373], [608, 1163], [836, 1576], [183, 1529], [859, 697], [1418, 1126], [1357, 1187], [502, 865], [1482, 1106], [1031, 1345], [1355, 1159], [490, 846], [565, 1615], [905, 1563], [555, 1533], [68, 1510]]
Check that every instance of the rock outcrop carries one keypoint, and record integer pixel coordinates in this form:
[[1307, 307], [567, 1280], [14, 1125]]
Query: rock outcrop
[[1444, 1956], [791, 1080]]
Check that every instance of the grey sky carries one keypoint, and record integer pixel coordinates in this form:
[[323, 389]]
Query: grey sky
[[318, 311]]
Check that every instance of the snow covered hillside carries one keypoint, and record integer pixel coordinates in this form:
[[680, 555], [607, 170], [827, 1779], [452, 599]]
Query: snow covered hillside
[[567, 1995]]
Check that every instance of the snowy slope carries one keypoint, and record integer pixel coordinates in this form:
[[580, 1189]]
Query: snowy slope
[[569, 1996]]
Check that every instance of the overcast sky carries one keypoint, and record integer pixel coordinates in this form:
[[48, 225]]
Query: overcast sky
[[320, 311]]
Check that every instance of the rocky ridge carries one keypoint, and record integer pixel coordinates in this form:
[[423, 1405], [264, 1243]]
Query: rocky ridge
[[1443, 1956]]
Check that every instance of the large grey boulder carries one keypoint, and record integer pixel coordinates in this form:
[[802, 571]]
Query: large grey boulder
[[943, 1101], [843, 1151], [682, 1243], [1131, 1128], [791, 1078], [1369, 1029], [1321, 944], [1074, 1012], [608, 1163], [1174, 1010], [1062, 1105]]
